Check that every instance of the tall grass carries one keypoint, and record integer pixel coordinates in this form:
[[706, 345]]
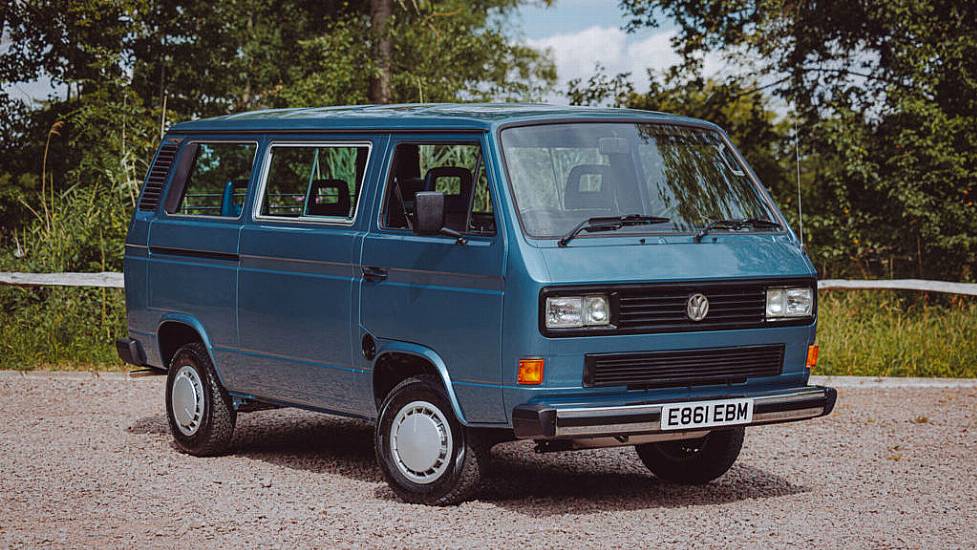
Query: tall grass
[[61, 328], [82, 227], [893, 333]]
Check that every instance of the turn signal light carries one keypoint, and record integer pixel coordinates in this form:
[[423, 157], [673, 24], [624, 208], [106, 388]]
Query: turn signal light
[[812, 356], [530, 372]]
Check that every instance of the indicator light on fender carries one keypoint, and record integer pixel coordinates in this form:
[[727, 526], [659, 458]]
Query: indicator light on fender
[[530, 372], [812, 356]]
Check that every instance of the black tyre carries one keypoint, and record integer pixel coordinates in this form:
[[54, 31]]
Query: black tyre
[[693, 461], [200, 412], [426, 455]]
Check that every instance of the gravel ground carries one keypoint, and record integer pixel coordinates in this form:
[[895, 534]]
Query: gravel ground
[[88, 462]]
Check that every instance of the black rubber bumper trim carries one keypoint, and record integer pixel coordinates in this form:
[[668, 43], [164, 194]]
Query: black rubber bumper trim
[[534, 422], [539, 421], [131, 351]]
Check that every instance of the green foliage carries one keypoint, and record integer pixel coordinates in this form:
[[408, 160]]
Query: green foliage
[[63, 328], [886, 333], [884, 96]]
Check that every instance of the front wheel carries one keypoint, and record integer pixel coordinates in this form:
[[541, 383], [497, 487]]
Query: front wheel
[[426, 455], [693, 461]]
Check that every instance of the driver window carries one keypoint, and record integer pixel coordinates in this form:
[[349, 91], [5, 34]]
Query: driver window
[[455, 169]]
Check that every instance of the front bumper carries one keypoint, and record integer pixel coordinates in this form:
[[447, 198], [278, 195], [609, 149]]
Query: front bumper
[[549, 422]]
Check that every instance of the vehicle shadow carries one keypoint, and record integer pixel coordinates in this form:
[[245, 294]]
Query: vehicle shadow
[[290, 438], [584, 482], [516, 478], [316, 443]]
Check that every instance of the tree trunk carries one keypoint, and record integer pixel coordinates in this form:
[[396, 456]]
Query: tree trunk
[[380, 12]]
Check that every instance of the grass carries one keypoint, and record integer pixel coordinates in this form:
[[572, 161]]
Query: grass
[[893, 333], [866, 333], [57, 328]]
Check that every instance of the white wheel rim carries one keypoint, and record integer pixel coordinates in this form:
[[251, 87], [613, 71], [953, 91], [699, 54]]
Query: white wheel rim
[[420, 442], [187, 400]]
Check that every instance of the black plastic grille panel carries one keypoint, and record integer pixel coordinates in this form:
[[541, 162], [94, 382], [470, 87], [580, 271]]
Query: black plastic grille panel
[[157, 176], [683, 367], [665, 308]]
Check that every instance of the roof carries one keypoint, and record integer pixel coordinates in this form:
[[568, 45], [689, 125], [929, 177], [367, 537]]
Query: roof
[[415, 116]]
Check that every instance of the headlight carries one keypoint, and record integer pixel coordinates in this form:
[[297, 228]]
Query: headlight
[[577, 311], [787, 302]]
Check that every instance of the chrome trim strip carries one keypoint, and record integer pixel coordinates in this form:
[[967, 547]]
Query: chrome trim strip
[[786, 415], [303, 219], [592, 412], [655, 426], [607, 429]]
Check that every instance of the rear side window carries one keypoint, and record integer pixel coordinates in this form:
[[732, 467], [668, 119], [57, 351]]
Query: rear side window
[[313, 181], [217, 181]]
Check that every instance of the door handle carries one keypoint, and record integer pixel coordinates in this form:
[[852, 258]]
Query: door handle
[[371, 273]]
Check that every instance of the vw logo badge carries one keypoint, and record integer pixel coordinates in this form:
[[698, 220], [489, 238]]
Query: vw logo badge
[[697, 307]]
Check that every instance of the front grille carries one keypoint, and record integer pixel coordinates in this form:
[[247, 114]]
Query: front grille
[[683, 367], [664, 308], [157, 176]]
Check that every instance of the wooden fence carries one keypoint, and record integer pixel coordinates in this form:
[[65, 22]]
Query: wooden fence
[[114, 280]]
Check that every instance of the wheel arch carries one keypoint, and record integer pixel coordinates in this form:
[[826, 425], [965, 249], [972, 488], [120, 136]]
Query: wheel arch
[[176, 330], [386, 375]]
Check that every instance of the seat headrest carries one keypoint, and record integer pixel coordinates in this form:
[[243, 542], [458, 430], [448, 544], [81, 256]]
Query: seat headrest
[[228, 207], [576, 198], [328, 197], [456, 205], [434, 174]]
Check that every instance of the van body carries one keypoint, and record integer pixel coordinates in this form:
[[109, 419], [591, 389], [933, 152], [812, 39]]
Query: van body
[[463, 275]]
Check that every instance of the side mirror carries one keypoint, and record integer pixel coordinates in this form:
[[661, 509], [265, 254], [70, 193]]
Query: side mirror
[[429, 216], [428, 212]]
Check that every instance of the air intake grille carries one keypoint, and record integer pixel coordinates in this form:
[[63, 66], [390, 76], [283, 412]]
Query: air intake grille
[[683, 367], [664, 309], [157, 176]]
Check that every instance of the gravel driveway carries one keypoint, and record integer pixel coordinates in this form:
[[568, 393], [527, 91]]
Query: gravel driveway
[[88, 462]]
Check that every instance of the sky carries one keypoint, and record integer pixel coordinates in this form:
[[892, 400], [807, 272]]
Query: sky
[[581, 33]]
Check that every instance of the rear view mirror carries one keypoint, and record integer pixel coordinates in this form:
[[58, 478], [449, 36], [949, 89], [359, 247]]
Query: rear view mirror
[[428, 212], [613, 146], [429, 216]]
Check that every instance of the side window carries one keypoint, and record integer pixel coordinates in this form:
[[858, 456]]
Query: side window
[[314, 181], [455, 169], [217, 181]]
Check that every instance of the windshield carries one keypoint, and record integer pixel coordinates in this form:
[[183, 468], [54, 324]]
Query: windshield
[[563, 174]]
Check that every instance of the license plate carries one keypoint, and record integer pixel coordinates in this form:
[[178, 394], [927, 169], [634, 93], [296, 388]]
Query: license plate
[[706, 414]]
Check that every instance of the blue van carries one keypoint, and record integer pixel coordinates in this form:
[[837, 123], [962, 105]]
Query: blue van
[[465, 275]]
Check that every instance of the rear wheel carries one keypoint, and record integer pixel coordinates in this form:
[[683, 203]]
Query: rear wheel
[[693, 461], [200, 413], [426, 455]]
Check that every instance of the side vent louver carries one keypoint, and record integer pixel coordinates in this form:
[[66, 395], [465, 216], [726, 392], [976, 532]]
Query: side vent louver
[[157, 175]]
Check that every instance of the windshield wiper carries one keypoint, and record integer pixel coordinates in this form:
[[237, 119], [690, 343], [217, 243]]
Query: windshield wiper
[[752, 223], [610, 223]]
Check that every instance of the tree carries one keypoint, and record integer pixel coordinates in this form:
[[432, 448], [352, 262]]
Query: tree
[[380, 12], [168, 60], [885, 97]]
